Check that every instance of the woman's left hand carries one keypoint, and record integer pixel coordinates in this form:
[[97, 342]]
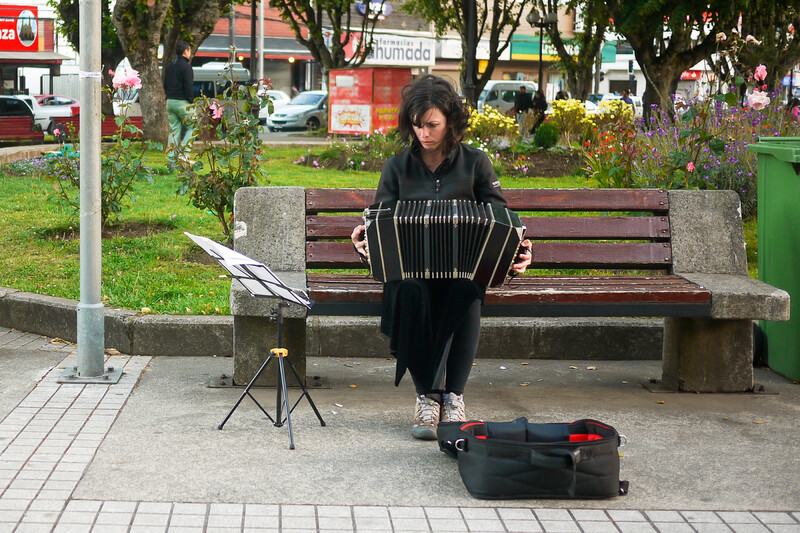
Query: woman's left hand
[[524, 259]]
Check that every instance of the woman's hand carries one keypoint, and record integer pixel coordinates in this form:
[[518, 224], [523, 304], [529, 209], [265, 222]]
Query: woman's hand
[[359, 239], [524, 259]]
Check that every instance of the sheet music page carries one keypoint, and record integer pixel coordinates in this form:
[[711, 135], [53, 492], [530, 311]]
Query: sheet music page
[[254, 276]]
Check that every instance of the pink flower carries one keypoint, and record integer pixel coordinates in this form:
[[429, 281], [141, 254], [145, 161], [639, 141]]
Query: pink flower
[[56, 132], [690, 166], [761, 73], [216, 110], [127, 78], [751, 39], [721, 36], [758, 100]]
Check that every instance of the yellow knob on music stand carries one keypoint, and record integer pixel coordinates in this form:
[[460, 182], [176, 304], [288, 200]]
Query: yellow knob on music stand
[[279, 352]]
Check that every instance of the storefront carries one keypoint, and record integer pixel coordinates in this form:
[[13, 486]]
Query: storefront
[[25, 41]]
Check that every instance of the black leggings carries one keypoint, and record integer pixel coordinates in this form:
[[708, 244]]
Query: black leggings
[[419, 317], [462, 354]]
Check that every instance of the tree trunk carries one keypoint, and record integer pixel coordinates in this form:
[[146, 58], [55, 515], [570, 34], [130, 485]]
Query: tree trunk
[[140, 32]]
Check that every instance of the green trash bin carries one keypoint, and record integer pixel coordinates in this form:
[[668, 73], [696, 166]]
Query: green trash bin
[[779, 244]]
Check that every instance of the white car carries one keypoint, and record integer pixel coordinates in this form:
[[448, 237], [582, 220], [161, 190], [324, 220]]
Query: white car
[[278, 99], [308, 110], [45, 116]]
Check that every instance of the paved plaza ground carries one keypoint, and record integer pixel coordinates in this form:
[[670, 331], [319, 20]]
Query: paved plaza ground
[[146, 455]]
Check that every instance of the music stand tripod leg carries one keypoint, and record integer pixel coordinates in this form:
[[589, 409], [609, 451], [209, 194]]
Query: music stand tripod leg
[[247, 393], [305, 393], [281, 353]]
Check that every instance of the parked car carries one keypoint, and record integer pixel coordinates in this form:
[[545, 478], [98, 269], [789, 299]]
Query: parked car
[[45, 116], [638, 106], [14, 107], [500, 94], [48, 100], [278, 99], [308, 110]]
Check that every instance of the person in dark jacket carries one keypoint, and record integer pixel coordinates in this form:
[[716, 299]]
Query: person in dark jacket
[[522, 102], [432, 322], [539, 106], [179, 89]]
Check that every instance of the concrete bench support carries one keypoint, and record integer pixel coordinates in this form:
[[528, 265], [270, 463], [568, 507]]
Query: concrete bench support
[[270, 228], [715, 354]]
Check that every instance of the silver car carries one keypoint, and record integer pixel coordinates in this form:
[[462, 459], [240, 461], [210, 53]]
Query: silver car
[[308, 111]]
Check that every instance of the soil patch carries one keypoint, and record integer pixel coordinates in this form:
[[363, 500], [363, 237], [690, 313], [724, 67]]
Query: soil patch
[[129, 230], [554, 165]]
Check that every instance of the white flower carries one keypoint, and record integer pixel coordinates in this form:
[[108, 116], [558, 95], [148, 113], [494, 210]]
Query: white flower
[[758, 100]]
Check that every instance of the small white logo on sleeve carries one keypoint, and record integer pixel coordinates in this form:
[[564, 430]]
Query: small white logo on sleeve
[[495, 184]]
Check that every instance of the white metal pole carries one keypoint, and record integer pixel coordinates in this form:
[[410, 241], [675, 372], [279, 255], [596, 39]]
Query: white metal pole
[[260, 63], [90, 307]]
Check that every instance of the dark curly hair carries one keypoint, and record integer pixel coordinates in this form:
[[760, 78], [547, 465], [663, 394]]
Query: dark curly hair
[[423, 94]]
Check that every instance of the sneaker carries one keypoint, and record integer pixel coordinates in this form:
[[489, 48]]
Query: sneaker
[[426, 418], [453, 409]]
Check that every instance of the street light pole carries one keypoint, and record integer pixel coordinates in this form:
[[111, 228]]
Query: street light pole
[[541, 22]]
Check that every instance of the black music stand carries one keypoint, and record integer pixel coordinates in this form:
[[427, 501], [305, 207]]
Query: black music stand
[[260, 281]]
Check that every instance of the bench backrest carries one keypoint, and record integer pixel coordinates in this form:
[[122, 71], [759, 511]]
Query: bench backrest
[[570, 228], [108, 126], [18, 128]]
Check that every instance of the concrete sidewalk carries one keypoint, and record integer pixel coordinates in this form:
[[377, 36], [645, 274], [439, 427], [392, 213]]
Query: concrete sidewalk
[[146, 454]]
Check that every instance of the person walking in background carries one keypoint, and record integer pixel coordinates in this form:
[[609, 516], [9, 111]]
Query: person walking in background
[[562, 95], [539, 106], [626, 97], [179, 89], [793, 108], [522, 103]]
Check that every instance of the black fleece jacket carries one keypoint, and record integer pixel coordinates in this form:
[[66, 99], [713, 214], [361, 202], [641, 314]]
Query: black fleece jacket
[[466, 174]]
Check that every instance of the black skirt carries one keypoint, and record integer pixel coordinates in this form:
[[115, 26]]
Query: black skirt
[[419, 316]]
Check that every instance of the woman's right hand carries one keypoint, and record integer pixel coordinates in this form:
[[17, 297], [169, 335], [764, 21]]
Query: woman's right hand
[[359, 239]]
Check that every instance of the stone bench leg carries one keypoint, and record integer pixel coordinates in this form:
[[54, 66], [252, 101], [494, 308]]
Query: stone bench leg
[[708, 355], [254, 337]]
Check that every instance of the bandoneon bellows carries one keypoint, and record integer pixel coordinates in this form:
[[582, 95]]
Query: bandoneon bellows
[[439, 239]]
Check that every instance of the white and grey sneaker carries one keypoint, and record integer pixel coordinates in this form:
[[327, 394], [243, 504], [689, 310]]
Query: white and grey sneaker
[[453, 409], [426, 418]]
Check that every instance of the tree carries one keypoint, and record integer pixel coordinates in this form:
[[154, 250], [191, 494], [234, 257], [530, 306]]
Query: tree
[[142, 27], [112, 51], [670, 36], [500, 19], [579, 55], [324, 27], [773, 24]]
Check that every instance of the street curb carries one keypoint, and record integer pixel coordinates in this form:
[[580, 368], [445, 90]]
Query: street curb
[[133, 333]]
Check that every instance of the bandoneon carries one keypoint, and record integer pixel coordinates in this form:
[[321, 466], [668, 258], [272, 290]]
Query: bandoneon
[[439, 239]]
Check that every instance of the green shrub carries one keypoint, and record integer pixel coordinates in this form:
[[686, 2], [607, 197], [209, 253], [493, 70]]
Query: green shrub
[[547, 135]]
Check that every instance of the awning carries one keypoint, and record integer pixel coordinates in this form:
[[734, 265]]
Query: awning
[[32, 58], [274, 47]]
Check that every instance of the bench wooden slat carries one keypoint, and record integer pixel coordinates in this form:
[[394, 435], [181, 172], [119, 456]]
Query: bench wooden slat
[[335, 200], [613, 227], [652, 200], [667, 295], [615, 255]]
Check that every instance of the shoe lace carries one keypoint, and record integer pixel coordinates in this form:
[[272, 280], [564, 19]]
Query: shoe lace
[[427, 411], [454, 409]]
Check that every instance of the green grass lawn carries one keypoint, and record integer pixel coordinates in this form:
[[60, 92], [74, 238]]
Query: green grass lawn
[[161, 270]]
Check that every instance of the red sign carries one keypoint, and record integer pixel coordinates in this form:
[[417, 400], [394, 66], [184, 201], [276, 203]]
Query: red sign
[[365, 100], [19, 29]]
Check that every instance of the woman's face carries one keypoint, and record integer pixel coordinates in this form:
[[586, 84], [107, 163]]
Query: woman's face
[[432, 129]]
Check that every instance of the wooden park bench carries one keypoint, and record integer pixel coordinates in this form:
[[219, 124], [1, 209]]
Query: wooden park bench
[[679, 255], [108, 126], [20, 128]]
